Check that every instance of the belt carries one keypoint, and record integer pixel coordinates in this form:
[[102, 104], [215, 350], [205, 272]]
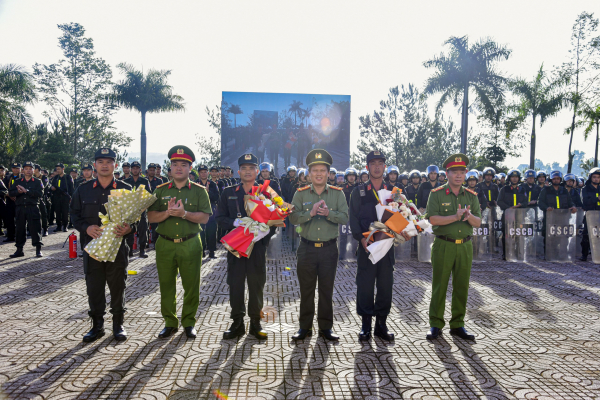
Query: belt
[[179, 240], [456, 241], [318, 244]]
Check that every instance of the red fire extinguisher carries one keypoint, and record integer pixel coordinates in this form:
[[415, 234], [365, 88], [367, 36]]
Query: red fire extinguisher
[[72, 245], [135, 241]]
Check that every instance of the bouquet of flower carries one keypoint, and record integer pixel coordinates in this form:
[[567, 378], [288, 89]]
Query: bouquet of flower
[[265, 208], [396, 215], [124, 206]]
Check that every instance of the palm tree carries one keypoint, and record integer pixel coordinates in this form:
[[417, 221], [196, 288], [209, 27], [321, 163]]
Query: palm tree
[[235, 109], [467, 68], [295, 109], [591, 117], [146, 93], [17, 90], [538, 98]]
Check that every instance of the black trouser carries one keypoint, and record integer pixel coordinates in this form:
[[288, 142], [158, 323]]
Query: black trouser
[[50, 208], [585, 239], [369, 275], [209, 232], [142, 232], [252, 269], [316, 264], [154, 233], [98, 274], [61, 207], [9, 219], [28, 216], [44, 214]]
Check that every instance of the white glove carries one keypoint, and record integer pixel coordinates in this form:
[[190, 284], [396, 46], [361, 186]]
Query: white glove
[[237, 222]]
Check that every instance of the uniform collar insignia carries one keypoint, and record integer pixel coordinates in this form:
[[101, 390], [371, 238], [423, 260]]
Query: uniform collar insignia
[[369, 187], [95, 184], [448, 191], [170, 185], [114, 184]]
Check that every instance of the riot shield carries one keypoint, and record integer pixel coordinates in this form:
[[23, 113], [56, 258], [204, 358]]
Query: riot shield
[[593, 226], [579, 221], [483, 237], [539, 238], [346, 244], [560, 235], [496, 219], [519, 234], [403, 250], [424, 244], [275, 246]]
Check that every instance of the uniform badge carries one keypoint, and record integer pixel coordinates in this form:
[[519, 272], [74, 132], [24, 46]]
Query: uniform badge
[[104, 151], [318, 155], [457, 159], [448, 191], [376, 153], [445, 204], [248, 157], [180, 151]]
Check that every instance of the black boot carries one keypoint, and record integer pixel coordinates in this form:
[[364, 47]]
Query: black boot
[[97, 330], [365, 332], [211, 254], [256, 329], [38, 251], [18, 253], [236, 329], [143, 253], [118, 329], [381, 329], [64, 229], [130, 253], [45, 233]]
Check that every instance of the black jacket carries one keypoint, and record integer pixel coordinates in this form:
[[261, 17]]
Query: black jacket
[[423, 193], [590, 197], [559, 199], [35, 191], [140, 181], [64, 185], [576, 196], [212, 189], [532, 193], [411, 193], [510, 196], [489, 193]]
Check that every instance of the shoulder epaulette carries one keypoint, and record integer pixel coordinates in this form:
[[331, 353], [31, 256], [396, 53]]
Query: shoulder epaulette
[[471, 191], [437, 188], [162, 184], [335, 188], [304, 188], [86, 182], [197, 184]]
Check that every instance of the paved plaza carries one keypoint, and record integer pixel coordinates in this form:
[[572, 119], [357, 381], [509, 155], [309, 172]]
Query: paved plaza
[[537, 327]]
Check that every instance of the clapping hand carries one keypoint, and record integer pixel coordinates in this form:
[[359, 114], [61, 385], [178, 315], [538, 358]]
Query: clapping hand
[[176, 208], [323, 209], [315, 210], [463, 213], [21, 189]]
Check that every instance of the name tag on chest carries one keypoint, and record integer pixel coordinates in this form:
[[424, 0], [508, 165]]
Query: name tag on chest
[[445, 204], [307, 203]]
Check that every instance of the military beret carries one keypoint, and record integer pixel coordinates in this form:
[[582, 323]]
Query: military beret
[[105, 152], [61, 165], [202, 167], [375, 155], [15, 165], [37, 166], [246, 159], [87, 166], [318, 156], [137, 164], [126, 164], [213, 168], [457, 160], [28, 164], [182, 153]]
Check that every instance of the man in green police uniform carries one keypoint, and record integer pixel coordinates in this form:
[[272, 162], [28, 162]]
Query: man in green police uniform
[[453, 210], [318, 209], [181, 207]]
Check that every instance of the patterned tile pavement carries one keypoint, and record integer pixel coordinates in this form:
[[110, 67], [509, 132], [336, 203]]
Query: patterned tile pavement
[[537, 328]]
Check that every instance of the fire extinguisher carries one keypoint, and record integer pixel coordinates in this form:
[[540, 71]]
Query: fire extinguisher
[[72, 245], [135, 241]]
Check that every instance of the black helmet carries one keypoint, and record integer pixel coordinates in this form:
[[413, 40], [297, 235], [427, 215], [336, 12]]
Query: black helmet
[[569, 177], [529, 174], [556, 174], [403, 175], [433, 168], [489, 171], [414, 174], [541, 173], [514, 172], [423, 175], [351, 171], [472, 175]]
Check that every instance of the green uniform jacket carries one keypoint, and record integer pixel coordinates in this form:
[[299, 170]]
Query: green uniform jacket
[[444, 203], [319, 228], [194, 199]]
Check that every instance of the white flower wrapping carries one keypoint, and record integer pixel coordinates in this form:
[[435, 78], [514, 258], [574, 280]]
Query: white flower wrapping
[[124, 206]]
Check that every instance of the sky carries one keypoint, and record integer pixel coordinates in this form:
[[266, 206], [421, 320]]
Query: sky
[[348, 47]]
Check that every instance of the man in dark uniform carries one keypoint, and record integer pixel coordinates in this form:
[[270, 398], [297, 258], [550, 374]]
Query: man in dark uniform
[[62, 188], [553, 197], [541, 179], [393, 172], [571, 186], [368, 275], [332, 174], [423, 193], [126, 171], [37, 172], [154, 181], [87, 202], [3, 195], [413, 187], [363, 176], [10, 209], [266, 170], [209, 230], [488, 188], [511, 196], [288, 182], [453, 210], [239, 270], [318, 209], [135, 180], [28, 191], [532, 191], [591, 202], [351, 175]]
